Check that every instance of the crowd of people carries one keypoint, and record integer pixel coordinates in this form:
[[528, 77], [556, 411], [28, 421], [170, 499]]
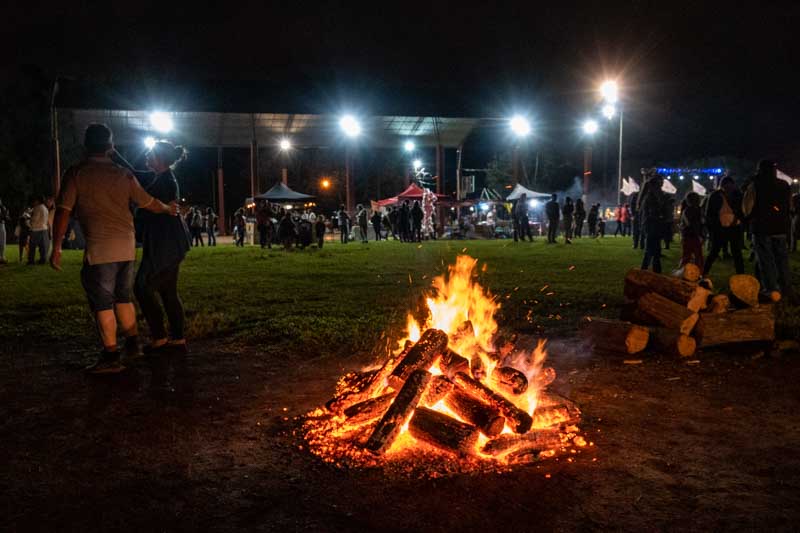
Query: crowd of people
[[402, 222]]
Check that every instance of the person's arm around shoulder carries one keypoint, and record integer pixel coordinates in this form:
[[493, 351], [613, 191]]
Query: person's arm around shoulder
[[144, 201]]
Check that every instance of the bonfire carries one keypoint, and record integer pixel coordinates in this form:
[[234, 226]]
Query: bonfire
[[453, 386]]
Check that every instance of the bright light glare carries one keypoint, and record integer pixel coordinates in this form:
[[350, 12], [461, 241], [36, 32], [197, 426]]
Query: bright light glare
[[149, 142], [696, 177], [409, 146], [350, 126], [590, 127], [680, 177], [520, 126], [533, 203], [285, 144], [669, 177], [417, 164], [609, 111], [610, 91], [326, 183], [484, 207], [161, 122]]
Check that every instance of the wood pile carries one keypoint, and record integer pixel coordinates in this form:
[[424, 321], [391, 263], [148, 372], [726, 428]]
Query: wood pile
[[679, 314]]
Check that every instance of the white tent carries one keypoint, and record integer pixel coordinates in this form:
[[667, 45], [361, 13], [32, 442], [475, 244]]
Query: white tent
[[519, 190]]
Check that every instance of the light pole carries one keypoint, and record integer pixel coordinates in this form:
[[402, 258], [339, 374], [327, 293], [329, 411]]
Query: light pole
[[521, 127], [590, 127], [352, 129], [285, 146], [610, 92]]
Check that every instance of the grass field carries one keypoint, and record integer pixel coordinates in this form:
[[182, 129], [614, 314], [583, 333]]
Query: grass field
[[342, 299]]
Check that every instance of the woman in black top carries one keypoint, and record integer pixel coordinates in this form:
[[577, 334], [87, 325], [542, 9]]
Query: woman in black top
[[165, 242]]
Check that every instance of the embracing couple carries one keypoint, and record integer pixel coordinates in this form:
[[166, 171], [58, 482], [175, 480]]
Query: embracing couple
[[99, 192]]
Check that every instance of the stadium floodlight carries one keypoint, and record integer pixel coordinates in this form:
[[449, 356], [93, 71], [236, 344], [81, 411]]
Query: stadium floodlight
[[409, 146], [285, 144], [417, 164], [161, 121], [590, 127], [610, 91], [149, 142], [609, 111], [520, 126], [350, 126]]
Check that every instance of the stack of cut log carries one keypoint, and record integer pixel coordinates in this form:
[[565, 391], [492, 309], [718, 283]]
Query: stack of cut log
[[376, 406], [680, 313]]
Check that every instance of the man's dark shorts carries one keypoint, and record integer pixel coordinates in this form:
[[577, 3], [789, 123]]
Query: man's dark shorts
[[107, 284]]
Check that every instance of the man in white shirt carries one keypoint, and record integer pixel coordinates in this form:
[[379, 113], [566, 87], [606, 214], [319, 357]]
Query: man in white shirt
[[40, 231]]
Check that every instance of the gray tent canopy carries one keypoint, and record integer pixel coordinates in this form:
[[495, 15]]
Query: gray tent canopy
[[519, 190], [282, 193]]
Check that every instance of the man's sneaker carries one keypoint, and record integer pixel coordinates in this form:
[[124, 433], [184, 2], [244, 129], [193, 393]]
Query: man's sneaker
[[107, 363]]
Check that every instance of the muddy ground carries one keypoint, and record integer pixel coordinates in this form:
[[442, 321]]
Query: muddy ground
[[210, 443]]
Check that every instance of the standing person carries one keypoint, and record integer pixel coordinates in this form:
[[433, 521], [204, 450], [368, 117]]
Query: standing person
[[239, 227], [344, 224], [363, 222], [766, 207], [416, 221], [652, 208], [405, 222], [393, 222], [636, 224], [626, 220], [100, 193], [264, 221], [211, 226], [319, 230], [522, 225], [618, 220], [568, 211], [165, 242], [23, 232], [723, 218], [591, 219], [40, 231], [691, 227], [3, 219], [377, 220], [580, 216], [601, 227], [553, 212], [197, 226]]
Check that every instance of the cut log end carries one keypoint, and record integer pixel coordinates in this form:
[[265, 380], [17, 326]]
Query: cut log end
[[744, 290], [689, 272], [719, 304], [616, 336]]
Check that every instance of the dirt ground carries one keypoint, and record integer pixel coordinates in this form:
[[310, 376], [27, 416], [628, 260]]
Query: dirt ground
[[211, 442]]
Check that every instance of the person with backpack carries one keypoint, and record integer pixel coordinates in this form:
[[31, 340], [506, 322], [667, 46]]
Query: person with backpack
[[723, 218], [766, 206], [691, 226], [553, 212]]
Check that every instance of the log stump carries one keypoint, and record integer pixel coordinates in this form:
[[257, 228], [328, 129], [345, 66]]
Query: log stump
[[615, 336], [720, 303], [744, 290], [746, 325], [668, 313], [640, 282], [672, 342]]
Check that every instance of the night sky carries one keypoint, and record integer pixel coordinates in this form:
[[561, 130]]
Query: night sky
[[697, 81]]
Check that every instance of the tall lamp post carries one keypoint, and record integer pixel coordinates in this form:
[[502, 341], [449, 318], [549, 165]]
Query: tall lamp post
[[521, 127], [590, 127], [285, 146], [352, 129], [610, 93]]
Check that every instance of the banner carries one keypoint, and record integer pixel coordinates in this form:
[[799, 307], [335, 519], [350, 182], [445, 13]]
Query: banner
[[629, 186], [699, 189], [668, 187]]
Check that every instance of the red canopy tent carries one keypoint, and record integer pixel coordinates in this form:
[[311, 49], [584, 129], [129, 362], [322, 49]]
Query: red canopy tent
[[413, 192]]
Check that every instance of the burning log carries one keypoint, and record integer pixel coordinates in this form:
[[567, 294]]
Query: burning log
[[719, 304], [553, 415], [355, 382], [518, 420], [640, 282], [535, 441], [746, 325], [489, 420], [744, 289], [689, 272], [544, 377], [443, 432], [673, 342], [616, 336], [509, 380], [507, 344], [369, 410], [438, 388], [668, 313], [452, 363], [477, 368], [465, 330], [431, 345], [398, 413]]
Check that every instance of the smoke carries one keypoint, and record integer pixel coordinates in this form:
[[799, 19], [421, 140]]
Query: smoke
[[574, 191]]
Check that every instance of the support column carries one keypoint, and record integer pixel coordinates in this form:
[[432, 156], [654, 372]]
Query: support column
[[253, 157], [587, 172], [221, 193], [515, 163], [348, 179], [285, 176]]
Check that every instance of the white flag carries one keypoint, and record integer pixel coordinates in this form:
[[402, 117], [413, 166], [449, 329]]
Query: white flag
[[784, 177], [668, 187], [634, 185], [699, 189]]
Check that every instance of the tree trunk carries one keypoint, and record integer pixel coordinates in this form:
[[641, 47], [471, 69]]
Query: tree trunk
[[673, 342], [399, 412], [668, 313], [616, 336], [747, 325], [489, 420], [443, 432], [509, 380], [518, 420], [744, 289], [640, 282], [431, 345], [719, 304], [369, 410]]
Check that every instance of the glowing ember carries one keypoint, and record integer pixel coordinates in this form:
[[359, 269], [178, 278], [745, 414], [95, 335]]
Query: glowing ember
[[447, 388]]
